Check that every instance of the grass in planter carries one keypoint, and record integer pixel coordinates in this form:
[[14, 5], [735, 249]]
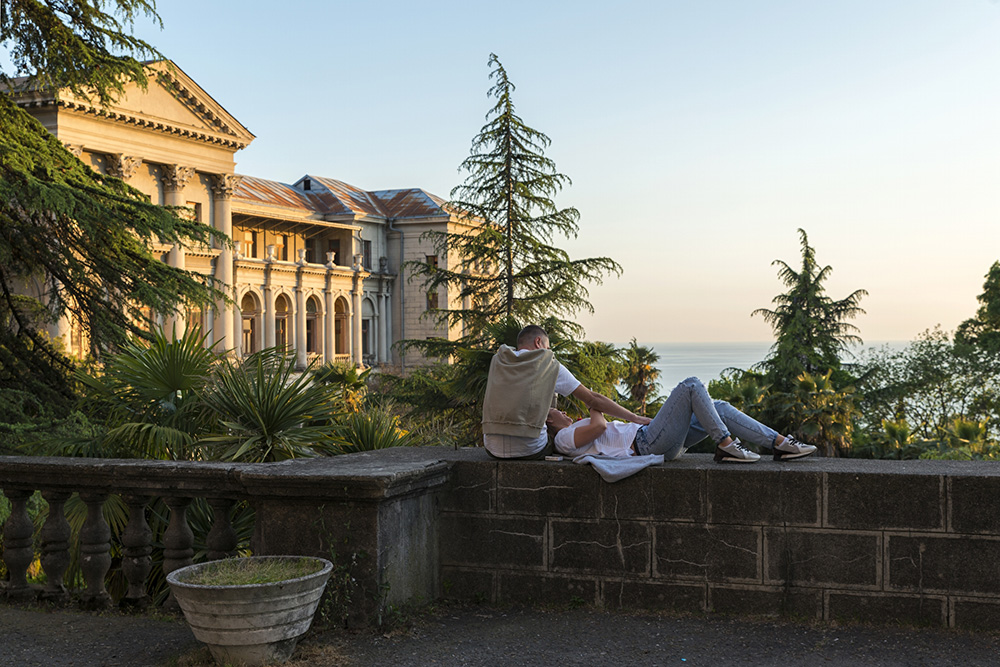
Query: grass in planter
[[246, 571]]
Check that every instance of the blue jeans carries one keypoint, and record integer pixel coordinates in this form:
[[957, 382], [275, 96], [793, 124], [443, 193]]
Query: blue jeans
[[688, 415]]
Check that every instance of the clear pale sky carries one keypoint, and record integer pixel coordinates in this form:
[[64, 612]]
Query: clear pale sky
[[699, 134]]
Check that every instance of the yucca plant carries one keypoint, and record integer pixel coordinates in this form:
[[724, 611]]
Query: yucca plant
[[369, 430], [267, 412]]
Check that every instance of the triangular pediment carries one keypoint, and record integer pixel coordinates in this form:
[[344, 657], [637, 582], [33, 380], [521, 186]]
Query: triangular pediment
[[173, 103]]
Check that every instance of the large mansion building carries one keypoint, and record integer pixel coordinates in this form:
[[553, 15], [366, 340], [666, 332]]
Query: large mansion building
[[315, 265]]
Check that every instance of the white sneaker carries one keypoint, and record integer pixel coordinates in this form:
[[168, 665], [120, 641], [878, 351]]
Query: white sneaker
[[792, 449], [735, 452]]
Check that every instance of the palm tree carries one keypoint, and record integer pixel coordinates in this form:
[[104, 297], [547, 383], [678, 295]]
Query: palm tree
[[641, 376]]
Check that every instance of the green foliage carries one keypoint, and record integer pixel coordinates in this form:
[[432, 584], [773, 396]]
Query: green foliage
[[811, 329], [351, 383], [370, 430], [265, 412], [640, 374], [503, 264], [983, 330], [76, 44], [72, 241]]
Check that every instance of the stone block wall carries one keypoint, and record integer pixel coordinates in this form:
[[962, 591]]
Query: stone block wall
[[880, 541]]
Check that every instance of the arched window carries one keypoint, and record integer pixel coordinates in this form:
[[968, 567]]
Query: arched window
[[312, 326], [340, 326], [281, 308], [248, 306]]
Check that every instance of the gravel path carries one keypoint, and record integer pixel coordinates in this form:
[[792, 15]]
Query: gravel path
[[472, 635]]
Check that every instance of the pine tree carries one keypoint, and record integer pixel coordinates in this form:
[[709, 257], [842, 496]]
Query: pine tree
[[811, 329], [983, 330], [82, 238], [504, 265]]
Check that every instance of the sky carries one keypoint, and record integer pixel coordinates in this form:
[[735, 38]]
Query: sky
[[699, 135]]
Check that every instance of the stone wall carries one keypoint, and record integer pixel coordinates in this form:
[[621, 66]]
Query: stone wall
[[835, 539]]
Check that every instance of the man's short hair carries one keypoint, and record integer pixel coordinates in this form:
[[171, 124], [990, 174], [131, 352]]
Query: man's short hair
[[530, 333]]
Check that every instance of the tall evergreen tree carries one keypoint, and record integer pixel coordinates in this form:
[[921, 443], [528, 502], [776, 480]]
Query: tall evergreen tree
[[82, 238], [811, 329], [504, 266], [983, 330]]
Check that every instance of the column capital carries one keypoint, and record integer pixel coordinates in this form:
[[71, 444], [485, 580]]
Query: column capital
[[123, 166], [176, 177], [224, 185], [75, 149]]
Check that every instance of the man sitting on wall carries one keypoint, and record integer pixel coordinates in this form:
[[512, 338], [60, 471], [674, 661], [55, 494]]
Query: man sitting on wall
[[519, 393]]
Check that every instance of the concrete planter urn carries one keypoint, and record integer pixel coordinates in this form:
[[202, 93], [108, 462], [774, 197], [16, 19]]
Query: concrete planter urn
[[250, 624]]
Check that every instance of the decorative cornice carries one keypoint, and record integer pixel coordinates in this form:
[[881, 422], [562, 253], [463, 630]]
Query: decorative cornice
[[175, 177], [123, 166], [224, 185]]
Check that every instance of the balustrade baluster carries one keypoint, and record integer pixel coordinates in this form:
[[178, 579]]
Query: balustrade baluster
[[95, 551], [18, 551], [137, 543], [178, 541], [222, 539], [55, 547]]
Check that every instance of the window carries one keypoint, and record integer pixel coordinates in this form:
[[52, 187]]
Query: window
[[312, 312], [311, 251], [196, 319], [249, 244], [281, 247], [366, 347], [432, 261], [194, 211], [366, 258], [249, 310], [432, 300], [281, 322]]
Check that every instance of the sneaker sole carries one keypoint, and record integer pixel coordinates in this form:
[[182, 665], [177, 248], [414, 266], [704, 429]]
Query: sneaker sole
[[722, 457], [788, 456]]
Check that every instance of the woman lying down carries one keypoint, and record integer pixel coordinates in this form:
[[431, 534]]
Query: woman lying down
[[686, 417]]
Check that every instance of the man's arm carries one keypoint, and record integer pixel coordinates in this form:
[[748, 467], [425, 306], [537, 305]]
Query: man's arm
[[595, 401]]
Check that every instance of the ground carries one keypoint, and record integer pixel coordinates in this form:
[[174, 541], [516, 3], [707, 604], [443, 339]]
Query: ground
[[473, 635]]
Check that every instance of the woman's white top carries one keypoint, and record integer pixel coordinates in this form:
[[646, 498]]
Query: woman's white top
[[615, 441]]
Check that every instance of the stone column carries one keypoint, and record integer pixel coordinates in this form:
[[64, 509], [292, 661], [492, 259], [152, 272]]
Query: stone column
[[55, 547], [267, 311], [383, 354], [137, 543], [18, 550], [175, 179], [330, 317], [300, 327], [178, 541], [226, 317], [95, 552], [356, 319]]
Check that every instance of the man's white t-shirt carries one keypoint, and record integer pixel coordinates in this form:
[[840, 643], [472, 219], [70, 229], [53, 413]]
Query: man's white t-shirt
[[615, 441], [514, 446]]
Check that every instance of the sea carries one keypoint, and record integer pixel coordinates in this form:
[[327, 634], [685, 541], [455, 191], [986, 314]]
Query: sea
[[708, 360]]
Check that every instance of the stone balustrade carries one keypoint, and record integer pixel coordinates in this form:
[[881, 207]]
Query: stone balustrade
[[912, 542]]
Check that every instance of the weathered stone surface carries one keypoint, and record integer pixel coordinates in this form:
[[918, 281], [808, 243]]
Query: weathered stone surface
[[658, 595], [712, 553], [492, 541], [630, 498], [678, 493], [823, 558], [538, 588], [944, 564], [977, 615], [608, 547], [771, 497], [885, 501], [466, 584], [800, 603], [972, 500], [882, 609], [548, 489], [471, 488]]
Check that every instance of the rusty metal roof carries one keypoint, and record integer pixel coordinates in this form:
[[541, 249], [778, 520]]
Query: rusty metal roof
[[262, 191], [327, 196]]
